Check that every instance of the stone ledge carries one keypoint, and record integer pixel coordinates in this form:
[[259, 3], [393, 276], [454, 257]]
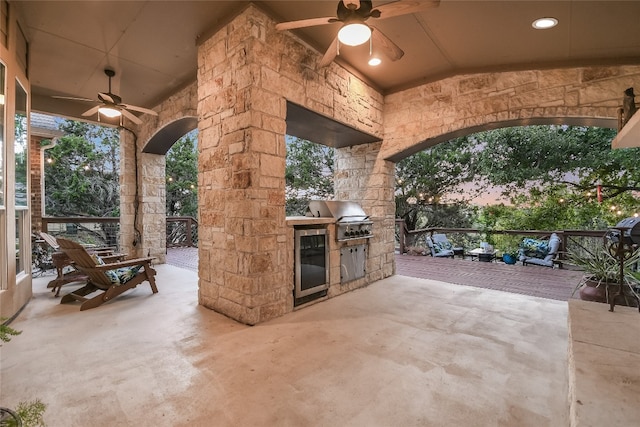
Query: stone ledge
[[604, 352]]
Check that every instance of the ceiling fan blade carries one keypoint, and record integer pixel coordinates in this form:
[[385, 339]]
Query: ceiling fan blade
[[385, 45], [139, 109], [109, 98], [402, 7], [73, 98], [305, 23], [330, 54], [130, 116], [91, 111]]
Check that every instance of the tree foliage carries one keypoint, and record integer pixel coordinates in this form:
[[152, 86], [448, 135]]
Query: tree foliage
[[427, 182], [308, 174], [182, 175], [541, 159], [550, 174], [83, 176]]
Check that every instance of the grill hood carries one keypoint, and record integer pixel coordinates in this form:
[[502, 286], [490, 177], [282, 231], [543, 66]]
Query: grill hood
[[340, 210], [633, 232]]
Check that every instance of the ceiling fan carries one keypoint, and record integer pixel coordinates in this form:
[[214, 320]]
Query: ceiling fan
[[353, 14], [111, 104]]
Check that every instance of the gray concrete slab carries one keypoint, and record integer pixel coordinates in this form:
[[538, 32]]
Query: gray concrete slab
[[604, 360], [401, 352]]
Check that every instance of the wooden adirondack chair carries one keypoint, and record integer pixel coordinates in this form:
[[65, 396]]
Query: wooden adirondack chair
[[105, 281], [62, 262]]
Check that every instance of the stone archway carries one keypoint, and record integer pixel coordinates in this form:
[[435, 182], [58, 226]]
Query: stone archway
[[164, 139], [421, 117], [142, 183]]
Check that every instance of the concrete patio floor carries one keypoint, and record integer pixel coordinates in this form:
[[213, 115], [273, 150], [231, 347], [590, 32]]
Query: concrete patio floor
[[401, 352]]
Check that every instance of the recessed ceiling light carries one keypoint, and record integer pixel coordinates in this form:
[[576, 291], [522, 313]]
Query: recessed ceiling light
[[544, 23], [374, 61]]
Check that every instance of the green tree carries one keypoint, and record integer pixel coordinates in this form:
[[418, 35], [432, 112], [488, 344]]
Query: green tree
[[555, 171], [308, 174], [579, 158], [182, 175], [82, 178], [427, 181]]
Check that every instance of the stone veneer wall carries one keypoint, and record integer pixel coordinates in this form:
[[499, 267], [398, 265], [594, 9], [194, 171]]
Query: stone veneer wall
[[362, 175], [151, 180], [149, 239], [483, 101], [246, 73]]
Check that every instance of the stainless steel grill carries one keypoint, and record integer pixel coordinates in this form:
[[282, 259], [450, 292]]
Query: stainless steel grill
[[351, 220]]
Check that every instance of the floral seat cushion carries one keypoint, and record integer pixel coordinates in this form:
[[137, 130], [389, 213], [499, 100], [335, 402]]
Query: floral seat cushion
[[442, 246], [534, 248], [120, 275]]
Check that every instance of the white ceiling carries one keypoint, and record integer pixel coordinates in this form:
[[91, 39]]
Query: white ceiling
[[152, 44]]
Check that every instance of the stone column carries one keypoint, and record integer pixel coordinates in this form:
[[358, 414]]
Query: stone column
[[242, 232], [142, 212], [363, 175]]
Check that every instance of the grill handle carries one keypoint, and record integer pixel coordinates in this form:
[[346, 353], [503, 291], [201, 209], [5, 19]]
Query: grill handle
[[352, 216]]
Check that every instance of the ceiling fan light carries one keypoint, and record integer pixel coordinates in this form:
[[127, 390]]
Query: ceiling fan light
[[354, 34], [109, 112]]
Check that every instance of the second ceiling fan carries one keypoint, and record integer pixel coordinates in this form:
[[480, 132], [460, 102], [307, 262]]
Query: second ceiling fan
[[353, 14], [111, 104]]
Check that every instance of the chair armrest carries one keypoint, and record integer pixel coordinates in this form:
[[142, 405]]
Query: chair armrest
[[127, 263], [112, 258]]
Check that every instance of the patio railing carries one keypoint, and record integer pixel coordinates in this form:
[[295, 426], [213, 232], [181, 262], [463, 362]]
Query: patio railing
[[97, 231], [471, 237], [182, 231]]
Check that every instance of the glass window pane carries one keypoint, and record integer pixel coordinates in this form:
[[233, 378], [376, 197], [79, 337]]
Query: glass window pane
[[21, 146], [19, 242]]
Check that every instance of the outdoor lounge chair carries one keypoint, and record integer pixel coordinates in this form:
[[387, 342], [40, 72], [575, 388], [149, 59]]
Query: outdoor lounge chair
[[105, 281], [540, 252], [65, 269], [440, 246]]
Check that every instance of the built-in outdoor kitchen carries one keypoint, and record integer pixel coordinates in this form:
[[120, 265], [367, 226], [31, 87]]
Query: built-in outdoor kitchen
[[331, 246]]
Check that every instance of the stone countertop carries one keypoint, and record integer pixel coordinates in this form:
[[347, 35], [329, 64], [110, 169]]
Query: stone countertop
[[292, 221]]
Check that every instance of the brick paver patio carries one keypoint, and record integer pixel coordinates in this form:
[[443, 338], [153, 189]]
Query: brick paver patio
[[543, 282]]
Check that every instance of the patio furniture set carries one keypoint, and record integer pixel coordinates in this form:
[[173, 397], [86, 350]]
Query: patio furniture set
[[541, 252]]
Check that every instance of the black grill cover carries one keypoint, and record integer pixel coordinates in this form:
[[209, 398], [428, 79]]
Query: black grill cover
[[633, 233]]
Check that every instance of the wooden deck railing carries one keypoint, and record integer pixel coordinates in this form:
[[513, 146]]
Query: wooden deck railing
[[472, 236], [93, 230], [182, 231]]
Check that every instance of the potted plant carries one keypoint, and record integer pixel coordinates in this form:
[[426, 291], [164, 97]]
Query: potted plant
[[602, 268], [510, 255]]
